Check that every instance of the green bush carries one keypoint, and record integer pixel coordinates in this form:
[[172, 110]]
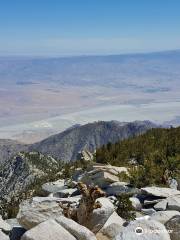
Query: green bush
[[125, 208]]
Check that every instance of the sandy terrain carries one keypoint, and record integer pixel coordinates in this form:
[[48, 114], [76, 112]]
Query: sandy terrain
[[40, 97]]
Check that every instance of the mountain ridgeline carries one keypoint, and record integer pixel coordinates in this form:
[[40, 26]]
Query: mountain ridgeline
[[66, 145]]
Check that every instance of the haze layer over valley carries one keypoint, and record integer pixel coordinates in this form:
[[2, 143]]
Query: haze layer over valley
[[43, 96]]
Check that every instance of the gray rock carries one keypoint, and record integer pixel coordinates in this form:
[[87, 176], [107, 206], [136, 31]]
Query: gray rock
[[151, 202], [170, 203], [109, 168], [65, 193], [160, 191], [136, 203], [48, 230], [13, 222], [173, 226], [148, 211], [78, 231], [37, 210], [161, 206], [164, 216], [143, 230], [99, 177], [4, 226], [118, 188], [70, 200], [53, 187], [113, 226], [3, 236], [173, 203]]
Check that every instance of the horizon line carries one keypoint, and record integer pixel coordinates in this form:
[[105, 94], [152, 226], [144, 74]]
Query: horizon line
[[86, 55]]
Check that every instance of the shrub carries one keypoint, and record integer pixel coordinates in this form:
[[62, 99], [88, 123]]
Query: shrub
[[125, 208]]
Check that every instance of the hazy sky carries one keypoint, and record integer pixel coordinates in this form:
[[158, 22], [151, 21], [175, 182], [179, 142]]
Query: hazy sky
[[60, 27]]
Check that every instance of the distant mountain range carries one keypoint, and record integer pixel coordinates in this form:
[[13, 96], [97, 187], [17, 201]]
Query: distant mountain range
[[174, 122], [65, 146], [133, 70]]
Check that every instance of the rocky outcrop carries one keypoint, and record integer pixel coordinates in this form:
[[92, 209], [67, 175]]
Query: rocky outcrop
[[102, 175], [33, 212], [25, 170], [109, 168], [9, 148], [92, 214], [99, 177]]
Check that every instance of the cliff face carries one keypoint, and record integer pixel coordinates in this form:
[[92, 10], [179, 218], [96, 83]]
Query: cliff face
[[8, 148], [24, 169]]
